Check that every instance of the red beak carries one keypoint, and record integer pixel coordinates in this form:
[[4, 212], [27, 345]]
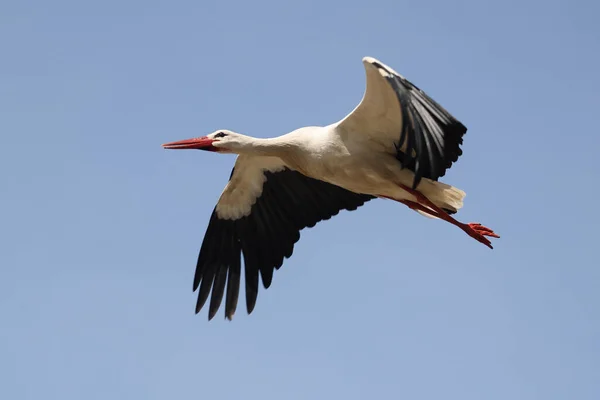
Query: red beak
[[202, 143]]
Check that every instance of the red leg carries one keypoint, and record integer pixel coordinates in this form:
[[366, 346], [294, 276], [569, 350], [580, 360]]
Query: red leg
[[475, 230], [415, 206], [418, 206]]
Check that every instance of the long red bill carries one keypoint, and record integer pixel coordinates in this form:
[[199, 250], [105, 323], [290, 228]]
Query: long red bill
[[203, 143]]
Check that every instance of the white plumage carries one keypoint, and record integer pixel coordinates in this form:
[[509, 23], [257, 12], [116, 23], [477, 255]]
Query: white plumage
[[395, 144]]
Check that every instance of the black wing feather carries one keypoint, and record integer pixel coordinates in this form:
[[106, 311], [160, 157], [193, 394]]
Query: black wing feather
[[233, 278], [430, 136], [289, 203]]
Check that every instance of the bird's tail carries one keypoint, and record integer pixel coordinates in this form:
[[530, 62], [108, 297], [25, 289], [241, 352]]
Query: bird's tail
[[442, 195]]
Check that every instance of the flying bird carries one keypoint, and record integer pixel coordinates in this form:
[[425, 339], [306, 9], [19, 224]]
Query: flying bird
[[395, 144]]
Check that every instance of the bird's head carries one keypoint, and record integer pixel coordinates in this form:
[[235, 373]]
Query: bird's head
[[222, 141]]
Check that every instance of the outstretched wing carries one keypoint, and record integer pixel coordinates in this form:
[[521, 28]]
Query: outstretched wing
[[401, 118], [260, 214]]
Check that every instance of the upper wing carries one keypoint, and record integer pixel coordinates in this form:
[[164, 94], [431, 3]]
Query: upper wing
[[260, 214], [401, 118]]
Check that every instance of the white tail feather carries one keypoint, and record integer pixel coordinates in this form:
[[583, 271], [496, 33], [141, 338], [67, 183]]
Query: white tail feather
[[442, 195]]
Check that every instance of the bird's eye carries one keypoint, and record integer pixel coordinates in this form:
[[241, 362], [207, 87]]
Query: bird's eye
[[220, 135]]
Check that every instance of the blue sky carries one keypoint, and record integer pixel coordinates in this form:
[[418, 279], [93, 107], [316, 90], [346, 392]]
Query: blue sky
[[100, 227]]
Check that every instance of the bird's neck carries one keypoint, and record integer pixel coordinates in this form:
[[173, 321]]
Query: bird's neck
[[278, 146]]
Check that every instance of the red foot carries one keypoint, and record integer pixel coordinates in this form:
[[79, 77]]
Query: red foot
[[479, 233]]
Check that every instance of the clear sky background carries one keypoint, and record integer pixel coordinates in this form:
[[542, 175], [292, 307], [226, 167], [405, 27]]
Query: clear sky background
[[100, 227]]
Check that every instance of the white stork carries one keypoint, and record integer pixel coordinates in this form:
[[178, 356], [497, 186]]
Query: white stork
[[395, 144]]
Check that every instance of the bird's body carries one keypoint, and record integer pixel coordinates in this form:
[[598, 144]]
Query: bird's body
[[331, 157], [395, 144]]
